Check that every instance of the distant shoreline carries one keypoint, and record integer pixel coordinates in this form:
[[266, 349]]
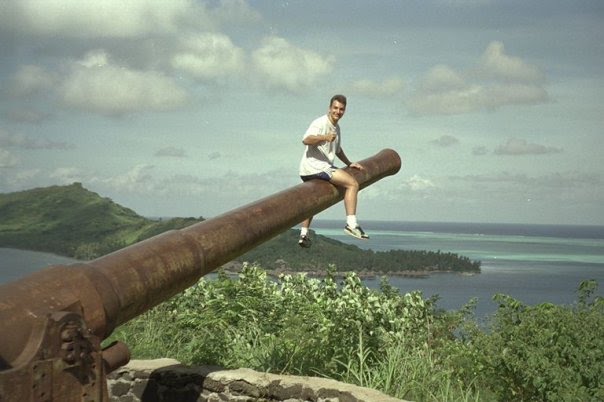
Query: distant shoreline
[[573, 231], [235, 268]]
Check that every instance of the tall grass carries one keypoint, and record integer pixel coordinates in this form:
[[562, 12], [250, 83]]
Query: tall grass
[[400, 344]]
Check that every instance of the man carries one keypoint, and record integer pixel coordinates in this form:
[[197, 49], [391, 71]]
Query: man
[[322, 140]]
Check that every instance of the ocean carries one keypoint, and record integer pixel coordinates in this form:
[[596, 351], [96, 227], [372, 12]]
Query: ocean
[[532, 263]]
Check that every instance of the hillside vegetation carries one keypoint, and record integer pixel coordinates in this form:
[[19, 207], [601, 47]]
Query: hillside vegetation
[[75, 222], [400, 344], [329, 254]]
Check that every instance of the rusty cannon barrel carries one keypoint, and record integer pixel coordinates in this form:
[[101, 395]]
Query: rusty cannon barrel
[[52, 322]]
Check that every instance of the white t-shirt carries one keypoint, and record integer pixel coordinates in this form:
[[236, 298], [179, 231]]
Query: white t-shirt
[[320, 157]]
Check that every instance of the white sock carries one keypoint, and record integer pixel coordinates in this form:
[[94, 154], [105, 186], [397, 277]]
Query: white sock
[[351, 221], [303, 231]]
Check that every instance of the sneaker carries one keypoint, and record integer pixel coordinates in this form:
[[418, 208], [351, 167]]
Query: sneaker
[[304, 241], [356, 232]]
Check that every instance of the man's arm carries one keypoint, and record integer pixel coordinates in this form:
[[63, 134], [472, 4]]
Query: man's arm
[[342, 156], [319, 138]]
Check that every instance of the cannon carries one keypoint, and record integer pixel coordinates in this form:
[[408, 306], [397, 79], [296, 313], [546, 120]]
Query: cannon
[[52, 322]]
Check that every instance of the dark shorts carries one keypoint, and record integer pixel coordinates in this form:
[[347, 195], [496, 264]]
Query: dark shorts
[[321, 176]]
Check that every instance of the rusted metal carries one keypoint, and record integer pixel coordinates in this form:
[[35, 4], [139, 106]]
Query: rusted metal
[[115, 356], [53, 321]]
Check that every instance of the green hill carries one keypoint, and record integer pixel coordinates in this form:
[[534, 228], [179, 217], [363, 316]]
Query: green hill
[[75, 222], [281, 253], [72, 221]]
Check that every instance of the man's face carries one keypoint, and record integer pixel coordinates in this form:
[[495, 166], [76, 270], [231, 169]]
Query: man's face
[[336, 111]]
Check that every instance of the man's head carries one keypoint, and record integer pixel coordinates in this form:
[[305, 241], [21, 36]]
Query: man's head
[[339, 98], [337, 107]]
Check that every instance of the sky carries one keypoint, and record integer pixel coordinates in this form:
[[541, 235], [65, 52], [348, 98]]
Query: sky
[[194, 108]]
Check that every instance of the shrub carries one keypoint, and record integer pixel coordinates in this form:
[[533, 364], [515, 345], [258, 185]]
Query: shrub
[[399, 344], [543, 352]]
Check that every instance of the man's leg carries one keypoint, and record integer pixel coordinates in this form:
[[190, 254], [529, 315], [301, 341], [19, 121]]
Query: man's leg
[[304, 240], [306, 224], [344, 179]]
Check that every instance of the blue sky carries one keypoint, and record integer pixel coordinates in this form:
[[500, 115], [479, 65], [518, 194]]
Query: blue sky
[[193, 108]]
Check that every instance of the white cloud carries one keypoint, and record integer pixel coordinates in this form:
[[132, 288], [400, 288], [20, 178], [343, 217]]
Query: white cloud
[[248, 186], [282, 65], [417, 183], [518, 146], [491, 189], [30, 79], [497, 65], [208, 56], [553, 180], [97, 86], [496, 96], [100, 19], [94, 58], [21, 141], [499, 80], [66, 175], [137, 179], [373, 89], [229, 190], [18, 179], [26, 176], [415, 187], [7, 159], [465, 100], [442, 78]]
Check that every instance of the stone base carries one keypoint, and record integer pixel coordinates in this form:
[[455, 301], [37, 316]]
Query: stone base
[[166, 380]]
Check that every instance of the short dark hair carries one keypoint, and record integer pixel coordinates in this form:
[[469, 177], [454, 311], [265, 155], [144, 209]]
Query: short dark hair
[[339, 98]]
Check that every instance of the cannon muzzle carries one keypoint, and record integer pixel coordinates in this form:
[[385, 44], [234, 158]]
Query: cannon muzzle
[[53, 321]]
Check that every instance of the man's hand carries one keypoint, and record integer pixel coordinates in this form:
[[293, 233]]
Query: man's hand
[[356, 166], [330, 137]]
